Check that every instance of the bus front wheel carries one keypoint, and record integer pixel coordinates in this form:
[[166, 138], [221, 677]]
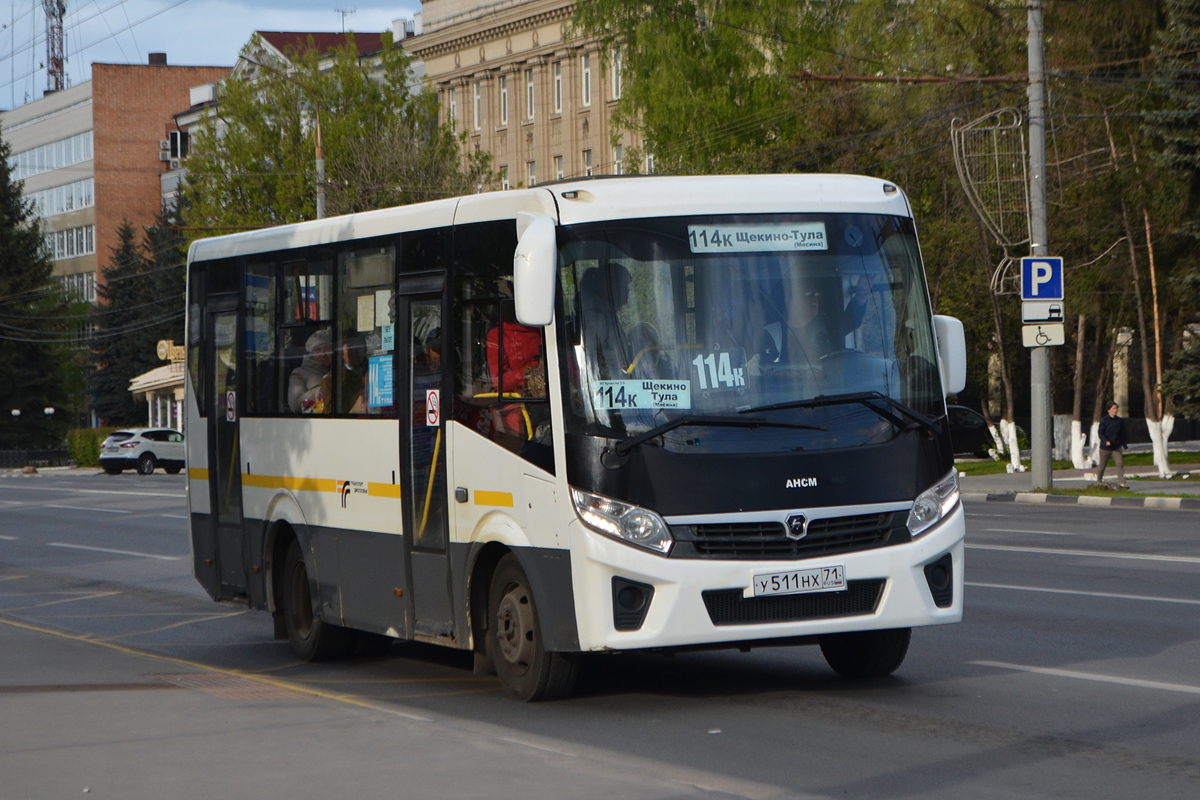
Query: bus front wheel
[[527, 671], [312, 639], [866, 654]]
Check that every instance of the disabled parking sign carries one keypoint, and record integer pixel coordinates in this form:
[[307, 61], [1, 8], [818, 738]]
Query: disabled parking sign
[[1041, 278]]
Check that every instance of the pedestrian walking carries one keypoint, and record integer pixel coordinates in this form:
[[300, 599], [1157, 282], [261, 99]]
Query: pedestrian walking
[[1112, 443]]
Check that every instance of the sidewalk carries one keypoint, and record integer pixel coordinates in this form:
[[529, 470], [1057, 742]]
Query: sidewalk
[[1018, 487]]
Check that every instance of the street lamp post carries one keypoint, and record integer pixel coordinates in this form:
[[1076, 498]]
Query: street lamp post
[[16, 415]]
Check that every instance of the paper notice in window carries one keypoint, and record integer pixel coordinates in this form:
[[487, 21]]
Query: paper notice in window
[[366, 312]]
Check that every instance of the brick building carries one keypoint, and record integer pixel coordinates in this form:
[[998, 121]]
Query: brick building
[[89, 157]]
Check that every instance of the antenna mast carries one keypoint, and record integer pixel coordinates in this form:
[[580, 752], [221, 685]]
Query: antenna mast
[[56, 74]]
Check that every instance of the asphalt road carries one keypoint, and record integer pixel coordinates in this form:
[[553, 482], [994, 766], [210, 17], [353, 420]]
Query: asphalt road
[[1073, 675]]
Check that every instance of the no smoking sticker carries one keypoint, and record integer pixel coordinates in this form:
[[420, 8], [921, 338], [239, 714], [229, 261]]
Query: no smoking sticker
[[433, 408]]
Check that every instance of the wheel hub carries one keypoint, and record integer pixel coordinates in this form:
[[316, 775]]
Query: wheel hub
[[514, 627]]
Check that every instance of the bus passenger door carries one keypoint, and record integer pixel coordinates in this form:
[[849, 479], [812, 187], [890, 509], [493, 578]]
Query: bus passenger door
[[225, 475], [423, 494]]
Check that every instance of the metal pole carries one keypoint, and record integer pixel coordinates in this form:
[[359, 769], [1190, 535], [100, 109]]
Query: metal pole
[[1039, 361], [320, 164]]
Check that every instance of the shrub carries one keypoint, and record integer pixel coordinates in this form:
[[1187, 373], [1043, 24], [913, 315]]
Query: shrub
[[83, 444]]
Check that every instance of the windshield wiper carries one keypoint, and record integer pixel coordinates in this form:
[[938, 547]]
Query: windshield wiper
[[868, 399], [625, 446]]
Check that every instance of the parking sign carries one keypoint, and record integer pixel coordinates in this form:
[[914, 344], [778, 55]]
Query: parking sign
[[1041, 278]]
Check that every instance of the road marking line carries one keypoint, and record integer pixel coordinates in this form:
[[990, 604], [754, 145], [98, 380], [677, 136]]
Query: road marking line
[[1018, 530], [1113, 595], [67, 490], [91, 596], [117, 552], [9, 538], [1086, 553], [1091, 676], [173, 516], [80, 508]]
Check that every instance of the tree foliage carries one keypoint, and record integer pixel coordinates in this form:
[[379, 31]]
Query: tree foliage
[[31, 347], [873, 86], [253, 161], [141, 303]]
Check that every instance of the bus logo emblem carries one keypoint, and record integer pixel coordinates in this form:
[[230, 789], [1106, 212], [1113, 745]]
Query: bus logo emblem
[[797, 527]]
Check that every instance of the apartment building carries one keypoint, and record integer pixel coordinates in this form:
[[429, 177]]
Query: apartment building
[[91, 157], [507, 76]]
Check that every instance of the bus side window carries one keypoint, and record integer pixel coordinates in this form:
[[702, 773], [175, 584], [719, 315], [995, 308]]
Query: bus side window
[[364, 336], [306, 338], [261, 354], [195, 334], [499, 366]]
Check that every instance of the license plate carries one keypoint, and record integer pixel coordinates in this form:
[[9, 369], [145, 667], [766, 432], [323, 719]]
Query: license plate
[[801, 581]]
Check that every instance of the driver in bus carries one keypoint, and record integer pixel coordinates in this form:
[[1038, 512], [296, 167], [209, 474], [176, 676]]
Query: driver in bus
[[805, 334], [603, 292]]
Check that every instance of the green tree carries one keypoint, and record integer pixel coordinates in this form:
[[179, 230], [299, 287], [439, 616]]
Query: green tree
[[140, 303], [31, 311], [253, 162]]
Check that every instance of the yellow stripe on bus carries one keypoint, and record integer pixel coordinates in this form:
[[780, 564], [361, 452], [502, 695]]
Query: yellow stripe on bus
[[383, 490], [294, 484], [198, 474], [494, 499]]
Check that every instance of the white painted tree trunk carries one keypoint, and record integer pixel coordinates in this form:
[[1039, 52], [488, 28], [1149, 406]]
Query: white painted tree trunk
[[1077, 459], [1159, 433], [998, 450], [1094, 446], [1008, 429]]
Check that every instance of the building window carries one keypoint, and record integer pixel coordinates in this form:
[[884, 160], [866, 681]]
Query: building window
[[453, 94], [61, 199], [80, 286], [558, 168], [528, 94], [557, 87], [53, 155], [180, 144], [585, 64], [477, 120], [71, 242], [587, 162], [504, 177], [619, 160], [616, 75], [503, 99], [532, 172]]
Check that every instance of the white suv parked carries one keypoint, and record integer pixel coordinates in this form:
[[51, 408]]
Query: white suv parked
[[143, 449]]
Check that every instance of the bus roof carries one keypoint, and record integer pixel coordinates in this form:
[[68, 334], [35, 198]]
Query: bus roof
[[586, 200]]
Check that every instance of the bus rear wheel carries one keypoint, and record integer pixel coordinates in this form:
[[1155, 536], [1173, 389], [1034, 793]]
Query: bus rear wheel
[[312, 639], [527, 671], [866, 654]]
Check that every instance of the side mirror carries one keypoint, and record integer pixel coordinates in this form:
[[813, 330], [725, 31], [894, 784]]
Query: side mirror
[[534, 264], [952, 353]]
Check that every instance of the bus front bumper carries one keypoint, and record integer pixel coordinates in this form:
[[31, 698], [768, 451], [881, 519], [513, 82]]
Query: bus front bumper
[[697, 602]]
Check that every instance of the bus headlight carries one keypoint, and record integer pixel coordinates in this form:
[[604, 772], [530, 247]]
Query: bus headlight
[[933, 504], [628, 523]]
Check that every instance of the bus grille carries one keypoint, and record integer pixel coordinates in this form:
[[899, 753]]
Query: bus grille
[[768, 540], [729, 607]]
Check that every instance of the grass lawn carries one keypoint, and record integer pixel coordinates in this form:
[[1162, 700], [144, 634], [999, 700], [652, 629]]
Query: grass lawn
[[988, 467], [1110, 490]]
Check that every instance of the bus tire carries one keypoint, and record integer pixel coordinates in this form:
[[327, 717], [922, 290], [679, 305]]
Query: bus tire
[[312, 639], [866, 654], [527, 671]]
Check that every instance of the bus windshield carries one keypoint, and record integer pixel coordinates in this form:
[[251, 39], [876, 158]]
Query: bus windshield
[[729, 321]]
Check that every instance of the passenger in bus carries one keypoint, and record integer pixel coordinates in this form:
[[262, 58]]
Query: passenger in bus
[[351, 395], [522, 374], [603, 291], [304, 384]]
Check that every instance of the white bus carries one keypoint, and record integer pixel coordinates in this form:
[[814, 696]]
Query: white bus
[[631, 413]]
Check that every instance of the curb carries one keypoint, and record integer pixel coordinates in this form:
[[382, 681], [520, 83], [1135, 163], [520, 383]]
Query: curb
[[1172, 503]]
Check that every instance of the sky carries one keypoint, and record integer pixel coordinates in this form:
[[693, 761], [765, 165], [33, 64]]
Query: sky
[[190, 32]]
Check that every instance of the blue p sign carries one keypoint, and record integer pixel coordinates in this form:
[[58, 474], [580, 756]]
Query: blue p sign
[[1041, 278]]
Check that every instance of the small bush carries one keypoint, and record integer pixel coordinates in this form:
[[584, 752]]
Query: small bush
[[83, 444]]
